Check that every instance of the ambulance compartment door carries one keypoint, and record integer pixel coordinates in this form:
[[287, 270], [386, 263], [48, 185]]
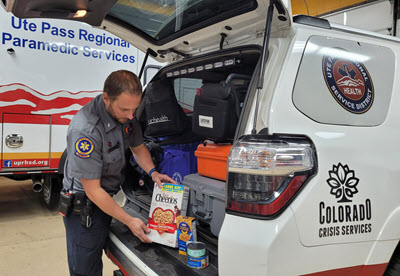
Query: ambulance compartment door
[[26, 141]]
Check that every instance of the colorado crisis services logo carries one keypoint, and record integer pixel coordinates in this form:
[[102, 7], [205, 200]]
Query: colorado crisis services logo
[[349, 83], [342, 182], [344, 218]]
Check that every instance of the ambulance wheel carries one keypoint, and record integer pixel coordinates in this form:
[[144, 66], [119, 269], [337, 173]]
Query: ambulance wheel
[[393, 268], [51, 191]]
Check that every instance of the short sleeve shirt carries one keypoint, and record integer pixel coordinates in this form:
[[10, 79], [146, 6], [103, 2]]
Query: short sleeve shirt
[[96, 146]]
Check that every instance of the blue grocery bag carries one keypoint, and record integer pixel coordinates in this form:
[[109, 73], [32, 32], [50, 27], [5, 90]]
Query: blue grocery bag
[[176, 161], [179, 161]]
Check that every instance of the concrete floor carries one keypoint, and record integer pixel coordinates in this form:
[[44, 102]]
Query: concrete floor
[[32, 238]]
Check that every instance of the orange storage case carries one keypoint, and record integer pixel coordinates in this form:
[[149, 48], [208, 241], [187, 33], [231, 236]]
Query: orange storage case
[[212, 159]]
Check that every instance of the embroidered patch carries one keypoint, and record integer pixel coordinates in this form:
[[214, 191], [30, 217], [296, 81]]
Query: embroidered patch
[[129, 128], [84, 147]]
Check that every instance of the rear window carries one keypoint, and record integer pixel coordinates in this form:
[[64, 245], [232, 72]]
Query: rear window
[[345, 82], [185, 91], [159, 19]]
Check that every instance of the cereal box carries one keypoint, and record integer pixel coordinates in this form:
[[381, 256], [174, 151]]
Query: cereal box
[[186, 232], [166, 204]]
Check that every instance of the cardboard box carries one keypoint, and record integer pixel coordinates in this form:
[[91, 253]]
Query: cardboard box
[[186, 232], [166, 204]]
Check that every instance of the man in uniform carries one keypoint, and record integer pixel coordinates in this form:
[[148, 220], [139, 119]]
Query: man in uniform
[[97, 138]]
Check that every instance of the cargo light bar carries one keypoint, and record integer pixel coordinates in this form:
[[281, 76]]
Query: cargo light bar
[[266, 172], [199, 68]]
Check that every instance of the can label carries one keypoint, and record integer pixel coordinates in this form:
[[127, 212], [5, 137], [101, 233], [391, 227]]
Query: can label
[[200, 262]]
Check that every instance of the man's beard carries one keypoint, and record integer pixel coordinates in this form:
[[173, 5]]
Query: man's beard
[[111, 112]]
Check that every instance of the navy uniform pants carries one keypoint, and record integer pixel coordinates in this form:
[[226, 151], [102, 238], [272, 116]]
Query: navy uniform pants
[[85, 244]]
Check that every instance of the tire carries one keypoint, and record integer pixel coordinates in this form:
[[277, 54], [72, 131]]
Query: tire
[[393, 268], [50, 194], [118, 273]]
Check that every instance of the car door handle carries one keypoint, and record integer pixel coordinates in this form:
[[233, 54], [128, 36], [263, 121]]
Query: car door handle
[[14, 140]]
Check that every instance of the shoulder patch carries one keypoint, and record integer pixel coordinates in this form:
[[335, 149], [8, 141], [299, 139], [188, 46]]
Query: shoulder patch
[[84, 147], [129, 129]]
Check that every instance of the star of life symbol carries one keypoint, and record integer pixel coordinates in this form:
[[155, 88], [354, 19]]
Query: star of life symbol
[[84, 146], [349, 83]]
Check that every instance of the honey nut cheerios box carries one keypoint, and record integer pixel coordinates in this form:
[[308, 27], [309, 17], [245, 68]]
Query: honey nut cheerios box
[[166, 204]]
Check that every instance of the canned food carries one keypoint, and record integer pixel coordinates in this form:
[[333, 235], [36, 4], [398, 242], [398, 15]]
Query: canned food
[[199, 262], [196, 249]]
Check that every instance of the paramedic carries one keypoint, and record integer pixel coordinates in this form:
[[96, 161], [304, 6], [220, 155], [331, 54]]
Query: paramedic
[[97, 138]]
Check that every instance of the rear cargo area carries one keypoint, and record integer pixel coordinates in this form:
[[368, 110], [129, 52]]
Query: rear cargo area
[[189, 116]]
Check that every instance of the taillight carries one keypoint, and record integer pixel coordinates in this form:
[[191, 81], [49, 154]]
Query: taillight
[[266, 172]]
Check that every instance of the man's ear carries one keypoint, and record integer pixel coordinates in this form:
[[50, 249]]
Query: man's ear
[[106, 99]]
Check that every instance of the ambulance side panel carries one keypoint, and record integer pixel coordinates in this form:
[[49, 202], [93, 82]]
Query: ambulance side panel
[[50, 69]]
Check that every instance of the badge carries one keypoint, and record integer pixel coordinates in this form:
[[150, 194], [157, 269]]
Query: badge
[[84, 147], [349, 83], [129, 129]]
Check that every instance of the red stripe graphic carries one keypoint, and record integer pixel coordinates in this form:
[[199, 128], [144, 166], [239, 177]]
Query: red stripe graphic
[[361, 270], [26, 119], [61, 105]]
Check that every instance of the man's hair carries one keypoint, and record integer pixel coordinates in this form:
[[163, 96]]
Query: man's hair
[[122, 81]]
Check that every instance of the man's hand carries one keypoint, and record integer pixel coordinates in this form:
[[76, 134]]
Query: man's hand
[[139, 229], [160, 178], [106, 203]]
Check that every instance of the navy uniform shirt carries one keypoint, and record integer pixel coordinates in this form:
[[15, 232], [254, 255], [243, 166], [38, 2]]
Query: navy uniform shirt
[[96, 145]]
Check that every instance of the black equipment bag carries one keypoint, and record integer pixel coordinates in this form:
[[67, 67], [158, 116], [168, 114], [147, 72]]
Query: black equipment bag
[[161, 112], [216, 111]]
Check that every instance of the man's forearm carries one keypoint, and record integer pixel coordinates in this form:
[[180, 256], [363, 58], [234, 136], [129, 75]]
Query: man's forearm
[[143, 157]]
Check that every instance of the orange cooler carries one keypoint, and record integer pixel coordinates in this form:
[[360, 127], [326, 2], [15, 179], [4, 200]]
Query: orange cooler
[[211, 160]]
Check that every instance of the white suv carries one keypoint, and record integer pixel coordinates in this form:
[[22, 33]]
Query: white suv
[[312, 175]]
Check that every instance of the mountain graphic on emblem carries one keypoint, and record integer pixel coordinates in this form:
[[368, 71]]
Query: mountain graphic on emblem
[[348, 81]]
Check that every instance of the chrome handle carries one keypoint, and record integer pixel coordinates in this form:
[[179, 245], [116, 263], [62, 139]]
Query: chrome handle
[[14, 140]]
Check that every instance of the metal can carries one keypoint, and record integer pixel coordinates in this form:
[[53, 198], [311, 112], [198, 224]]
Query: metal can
[[196, 249], [198, 263]]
